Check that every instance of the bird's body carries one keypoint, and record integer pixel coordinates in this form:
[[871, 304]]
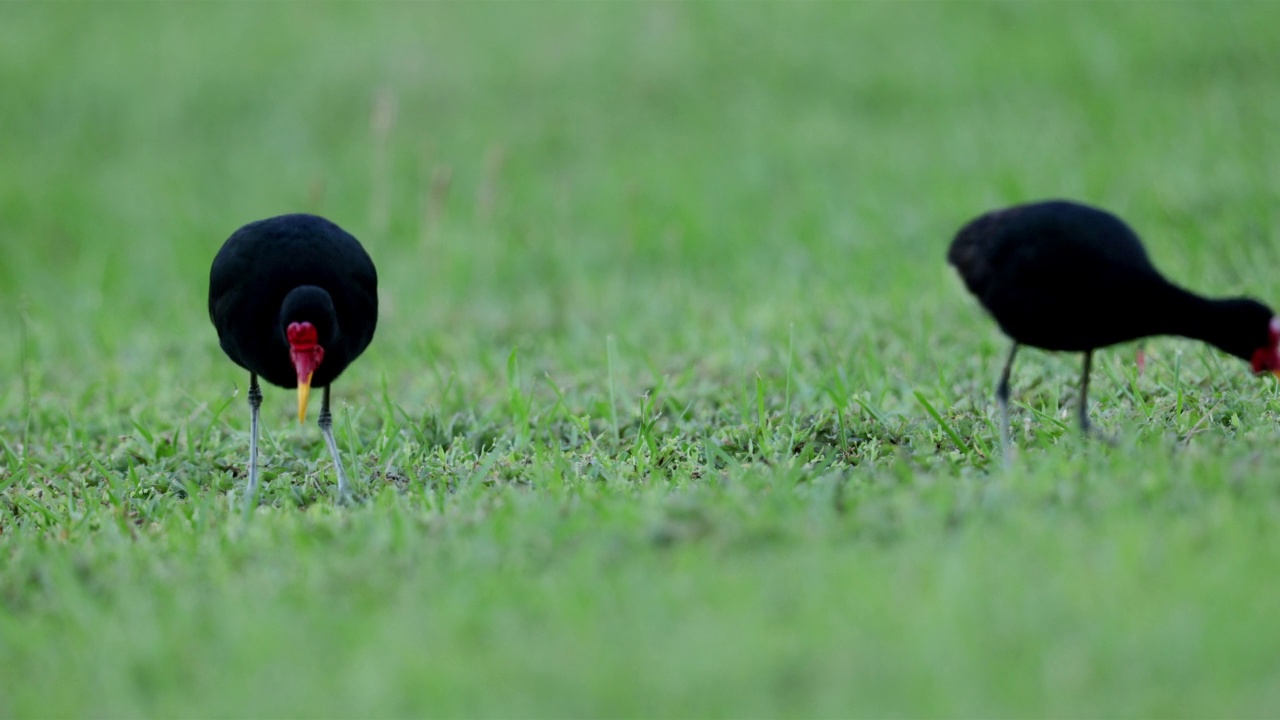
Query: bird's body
[[261, 264], [1059, 275], [1051, 274], [294, 299]]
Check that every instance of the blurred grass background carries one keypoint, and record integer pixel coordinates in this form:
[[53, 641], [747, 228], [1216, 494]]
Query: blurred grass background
[[753, 200], [588, 157]]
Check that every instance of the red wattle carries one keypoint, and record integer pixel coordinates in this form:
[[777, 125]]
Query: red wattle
[[305, 353], [302, 334], [1259, 360]]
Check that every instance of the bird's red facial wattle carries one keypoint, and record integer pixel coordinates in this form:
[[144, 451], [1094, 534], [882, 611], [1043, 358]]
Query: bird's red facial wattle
[[1267, 359], [307, 356]]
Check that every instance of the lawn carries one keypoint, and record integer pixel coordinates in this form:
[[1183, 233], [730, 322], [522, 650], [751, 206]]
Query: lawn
[[675, 408]]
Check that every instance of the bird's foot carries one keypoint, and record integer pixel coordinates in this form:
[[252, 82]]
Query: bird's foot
[[1108, 440], [348, 499], [1089, 432]]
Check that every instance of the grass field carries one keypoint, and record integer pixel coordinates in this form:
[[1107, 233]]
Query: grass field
[[675, 408]]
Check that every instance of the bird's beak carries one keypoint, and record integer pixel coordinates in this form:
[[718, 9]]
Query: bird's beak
[[304, 391], [306, 356], [305, 363]]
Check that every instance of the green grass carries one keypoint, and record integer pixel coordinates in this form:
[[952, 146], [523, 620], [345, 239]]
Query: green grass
[[674, 408]]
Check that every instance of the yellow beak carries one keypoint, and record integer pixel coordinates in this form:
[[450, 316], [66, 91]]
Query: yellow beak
[[304, 391]]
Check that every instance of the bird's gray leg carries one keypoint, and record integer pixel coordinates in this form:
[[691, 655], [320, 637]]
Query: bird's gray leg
[[1084, 394], [255, 402], [1002, 397], [326, 427]]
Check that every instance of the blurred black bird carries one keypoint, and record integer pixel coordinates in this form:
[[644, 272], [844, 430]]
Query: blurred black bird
[[1059, 275], [295, 300]]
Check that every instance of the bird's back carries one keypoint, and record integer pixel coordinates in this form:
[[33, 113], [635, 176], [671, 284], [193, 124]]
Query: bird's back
[[1056, 274], [261, 263]]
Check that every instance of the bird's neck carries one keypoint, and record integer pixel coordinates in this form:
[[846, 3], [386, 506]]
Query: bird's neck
[[1178, 311]]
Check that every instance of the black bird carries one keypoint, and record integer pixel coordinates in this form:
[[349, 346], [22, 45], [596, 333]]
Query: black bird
[[1059, 275], [295, 300]]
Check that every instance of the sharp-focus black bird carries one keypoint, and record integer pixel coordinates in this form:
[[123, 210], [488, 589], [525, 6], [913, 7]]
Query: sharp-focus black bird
[[1060, 275], [295, 300]]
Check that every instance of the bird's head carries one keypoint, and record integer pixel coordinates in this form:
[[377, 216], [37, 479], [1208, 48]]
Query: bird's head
[[1267, 357], [310, 324], [307, 354]]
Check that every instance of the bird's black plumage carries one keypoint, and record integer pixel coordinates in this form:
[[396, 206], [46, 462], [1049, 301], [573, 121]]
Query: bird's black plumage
[[288, 271], [1059, 275]]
